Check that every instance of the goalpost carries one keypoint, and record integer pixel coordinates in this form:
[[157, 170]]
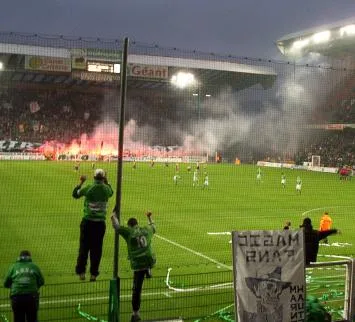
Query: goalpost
[[315, 161]]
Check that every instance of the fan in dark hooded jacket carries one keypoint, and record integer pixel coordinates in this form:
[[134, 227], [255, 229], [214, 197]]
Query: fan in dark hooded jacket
[[312, 239]]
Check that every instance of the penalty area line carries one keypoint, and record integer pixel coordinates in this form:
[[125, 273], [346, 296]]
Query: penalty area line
[[324, 208], [193, 252]]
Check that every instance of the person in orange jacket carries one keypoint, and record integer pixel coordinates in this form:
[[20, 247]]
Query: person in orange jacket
[[325, 223]]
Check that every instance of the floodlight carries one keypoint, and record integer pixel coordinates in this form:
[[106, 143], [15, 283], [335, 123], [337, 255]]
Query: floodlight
[[183, 79], [347, 30], [116, 68], [208, 95], [1, 65], [194, 94], [321, 37], [299, 44]]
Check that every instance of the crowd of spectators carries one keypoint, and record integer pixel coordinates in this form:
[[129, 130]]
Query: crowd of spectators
[[39, 116], [335, 143], [335, 148]]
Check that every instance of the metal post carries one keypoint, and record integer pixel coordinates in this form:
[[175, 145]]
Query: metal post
[[115, 283], [351, 309]]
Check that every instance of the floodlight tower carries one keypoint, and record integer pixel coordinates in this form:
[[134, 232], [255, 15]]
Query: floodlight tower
[[334, 41], [184, 80]]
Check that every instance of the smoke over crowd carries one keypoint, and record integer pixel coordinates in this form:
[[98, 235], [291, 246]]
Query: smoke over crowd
[[249, 124]]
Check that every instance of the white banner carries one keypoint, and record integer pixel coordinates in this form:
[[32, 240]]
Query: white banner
[[269, 270], [8, 145]]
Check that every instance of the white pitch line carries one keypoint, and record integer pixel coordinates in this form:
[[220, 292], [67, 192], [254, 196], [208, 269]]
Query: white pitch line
[[194, 252], [324, 208], [166, 293], [96, 298]]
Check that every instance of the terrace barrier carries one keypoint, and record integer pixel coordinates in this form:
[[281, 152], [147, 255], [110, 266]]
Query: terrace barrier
[[194, 297]]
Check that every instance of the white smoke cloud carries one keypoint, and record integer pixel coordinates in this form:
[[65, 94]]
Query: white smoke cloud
[[271, 121]]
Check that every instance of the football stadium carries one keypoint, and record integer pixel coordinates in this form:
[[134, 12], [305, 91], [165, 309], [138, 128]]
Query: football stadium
[[211, 144]]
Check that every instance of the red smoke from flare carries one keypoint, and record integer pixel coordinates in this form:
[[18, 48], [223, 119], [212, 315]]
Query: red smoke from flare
[[104, 142]]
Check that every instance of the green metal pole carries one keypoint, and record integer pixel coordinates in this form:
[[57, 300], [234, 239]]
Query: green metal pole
[[114, 299]]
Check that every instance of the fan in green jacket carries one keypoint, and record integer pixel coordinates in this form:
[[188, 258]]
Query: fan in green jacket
[[92, 226], [24, 280], [140, 254]]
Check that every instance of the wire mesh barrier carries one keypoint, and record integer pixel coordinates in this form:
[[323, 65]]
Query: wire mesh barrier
[[193, 297], [212, 143], [164, 297]]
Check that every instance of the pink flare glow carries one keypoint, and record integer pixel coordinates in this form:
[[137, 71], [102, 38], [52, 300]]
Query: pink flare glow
[[104, 141]]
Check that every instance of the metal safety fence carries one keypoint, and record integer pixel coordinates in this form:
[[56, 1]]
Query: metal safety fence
[[193, 297]]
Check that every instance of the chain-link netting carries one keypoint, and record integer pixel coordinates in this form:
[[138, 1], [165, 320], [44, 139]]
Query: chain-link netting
[[212, 143]]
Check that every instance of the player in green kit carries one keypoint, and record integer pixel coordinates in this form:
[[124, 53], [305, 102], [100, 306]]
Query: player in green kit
[[140, 254], [283, 180], [258, 175], [298, 185]]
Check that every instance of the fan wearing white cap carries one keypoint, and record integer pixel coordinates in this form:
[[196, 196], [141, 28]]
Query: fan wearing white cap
[[93, 224]]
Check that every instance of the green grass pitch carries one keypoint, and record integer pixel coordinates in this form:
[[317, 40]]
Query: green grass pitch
[[39, 214]]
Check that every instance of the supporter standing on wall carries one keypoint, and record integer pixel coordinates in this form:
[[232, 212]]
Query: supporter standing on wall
[[93, 226]]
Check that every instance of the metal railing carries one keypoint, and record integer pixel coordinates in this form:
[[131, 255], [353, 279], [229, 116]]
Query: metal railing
[[193, 297]]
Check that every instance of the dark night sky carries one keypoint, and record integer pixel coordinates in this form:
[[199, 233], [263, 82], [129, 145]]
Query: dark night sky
[[241, 28]]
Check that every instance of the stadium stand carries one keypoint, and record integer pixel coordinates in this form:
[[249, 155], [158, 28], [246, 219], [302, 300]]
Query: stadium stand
[[35, 116]]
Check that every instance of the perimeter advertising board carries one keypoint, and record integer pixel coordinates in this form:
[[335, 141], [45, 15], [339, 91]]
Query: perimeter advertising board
[[48, 64], [95, 77], [269, 276], [79, 56]]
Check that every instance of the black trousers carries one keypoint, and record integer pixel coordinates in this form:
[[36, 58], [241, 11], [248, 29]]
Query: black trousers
[[138, 278], [25, 307], [91, 239]]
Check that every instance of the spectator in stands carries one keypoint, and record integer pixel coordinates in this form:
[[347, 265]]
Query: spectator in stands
[[140, 254], [24, 280], [93, 226], [312, 239]]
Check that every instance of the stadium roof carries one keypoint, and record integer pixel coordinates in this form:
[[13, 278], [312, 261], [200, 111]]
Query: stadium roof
[[209, 69], [336, 40]]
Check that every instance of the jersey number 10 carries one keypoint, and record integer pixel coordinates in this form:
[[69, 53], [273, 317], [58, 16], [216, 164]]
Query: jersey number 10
[[142, 241]]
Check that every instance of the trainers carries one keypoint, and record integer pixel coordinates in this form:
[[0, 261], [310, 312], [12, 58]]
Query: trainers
[[92, 278], [135, 318], [82, 276]]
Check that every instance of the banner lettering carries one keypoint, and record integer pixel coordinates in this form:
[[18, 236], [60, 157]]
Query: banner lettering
[[148, 71], [269, 276]]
